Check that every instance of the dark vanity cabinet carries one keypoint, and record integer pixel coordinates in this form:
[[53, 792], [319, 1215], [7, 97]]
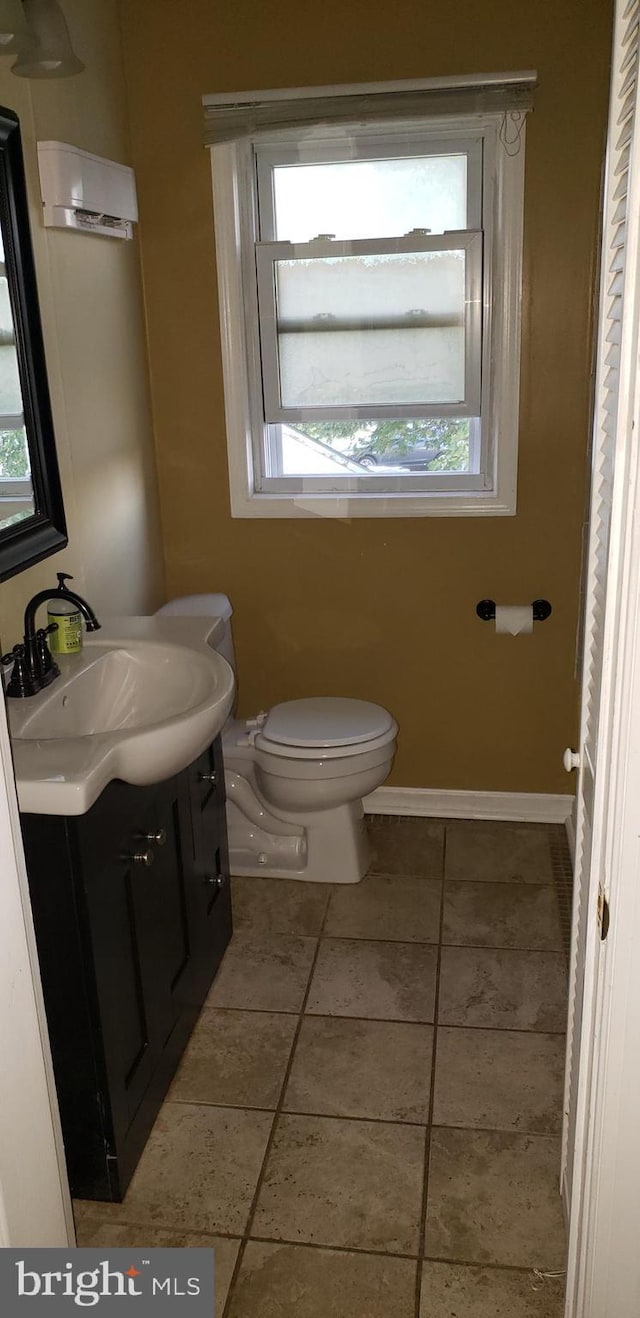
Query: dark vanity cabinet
[[131, 904]]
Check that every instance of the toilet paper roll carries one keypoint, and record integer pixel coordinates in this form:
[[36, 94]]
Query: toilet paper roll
[[514, 619]]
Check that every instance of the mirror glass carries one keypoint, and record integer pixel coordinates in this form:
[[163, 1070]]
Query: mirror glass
[[32, 523], [16, 486]]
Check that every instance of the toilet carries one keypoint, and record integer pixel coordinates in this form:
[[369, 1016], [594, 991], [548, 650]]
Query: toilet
[[296, 775]]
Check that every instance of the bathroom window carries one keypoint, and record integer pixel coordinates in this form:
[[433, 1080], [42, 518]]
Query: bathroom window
[[370, 285]]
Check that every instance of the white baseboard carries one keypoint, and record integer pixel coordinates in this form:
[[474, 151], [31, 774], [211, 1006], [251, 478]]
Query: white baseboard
[[427, 802]]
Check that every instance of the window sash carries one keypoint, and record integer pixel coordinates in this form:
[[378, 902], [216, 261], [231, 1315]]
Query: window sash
[[385, 144], [267, 256], [268, 478], [16, 487]]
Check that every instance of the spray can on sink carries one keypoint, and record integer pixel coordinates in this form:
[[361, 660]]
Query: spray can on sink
[[67, 639]]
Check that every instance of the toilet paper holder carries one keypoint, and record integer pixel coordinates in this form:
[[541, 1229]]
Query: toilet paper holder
[[486, 609]]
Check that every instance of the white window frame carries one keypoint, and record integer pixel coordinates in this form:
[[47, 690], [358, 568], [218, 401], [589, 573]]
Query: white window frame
[[490, 493]]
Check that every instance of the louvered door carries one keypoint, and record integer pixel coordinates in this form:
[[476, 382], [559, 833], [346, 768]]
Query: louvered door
[[600, 598]]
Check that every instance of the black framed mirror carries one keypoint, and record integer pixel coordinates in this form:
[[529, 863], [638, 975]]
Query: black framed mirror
[[32, 521]]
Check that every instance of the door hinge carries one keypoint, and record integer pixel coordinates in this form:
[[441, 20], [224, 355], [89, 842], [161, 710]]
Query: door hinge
[[603, 913]]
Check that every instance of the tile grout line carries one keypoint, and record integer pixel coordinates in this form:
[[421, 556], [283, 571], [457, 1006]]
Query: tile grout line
[[358, 1118], [386, 1020], [303, 1112], [274, 1125], [403, 942], [390, 942], [427, 1143], [394, 1254], [139, 1224], [425, 942], [519, 1268]]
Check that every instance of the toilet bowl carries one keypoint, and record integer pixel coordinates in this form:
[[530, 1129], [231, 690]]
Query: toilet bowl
[[296, 775], [309, 783]]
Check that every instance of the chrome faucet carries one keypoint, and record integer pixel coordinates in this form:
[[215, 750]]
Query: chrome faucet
[[34, 667]]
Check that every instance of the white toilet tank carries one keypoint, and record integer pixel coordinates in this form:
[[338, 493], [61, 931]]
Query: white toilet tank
[[207, 606]]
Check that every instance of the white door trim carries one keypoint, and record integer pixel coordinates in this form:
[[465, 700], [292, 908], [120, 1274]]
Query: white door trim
[[35, 1208]]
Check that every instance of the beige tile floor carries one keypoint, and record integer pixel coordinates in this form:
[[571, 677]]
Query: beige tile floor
[[366, 1121]]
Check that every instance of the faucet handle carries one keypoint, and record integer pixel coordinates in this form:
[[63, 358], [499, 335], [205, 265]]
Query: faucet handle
[[11, 655], [47, 669], [20, 683]]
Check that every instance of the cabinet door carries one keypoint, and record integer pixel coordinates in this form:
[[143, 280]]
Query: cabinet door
[[73, 1018], [139, 930]]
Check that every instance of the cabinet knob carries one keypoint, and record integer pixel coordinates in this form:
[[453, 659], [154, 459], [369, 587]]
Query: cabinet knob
[[571, 759], [141, 857], [160, 837], [208, 777], [214, 880]]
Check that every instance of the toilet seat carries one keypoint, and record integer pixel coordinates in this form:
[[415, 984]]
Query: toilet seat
[[325, 723], [324, 728], [321, 754], [244, 740]]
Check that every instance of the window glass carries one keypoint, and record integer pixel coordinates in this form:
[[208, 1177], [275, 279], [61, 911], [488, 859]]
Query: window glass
[[10, 390], [370, 198], [371, 329], [374, 449]]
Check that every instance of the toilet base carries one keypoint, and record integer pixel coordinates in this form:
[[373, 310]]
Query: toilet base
[[325, 846]]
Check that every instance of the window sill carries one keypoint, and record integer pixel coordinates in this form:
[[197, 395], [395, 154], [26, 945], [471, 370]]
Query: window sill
[[398, 505]]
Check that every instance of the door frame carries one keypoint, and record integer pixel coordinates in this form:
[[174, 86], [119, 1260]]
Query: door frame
[[603, 1270], [35, 1206]]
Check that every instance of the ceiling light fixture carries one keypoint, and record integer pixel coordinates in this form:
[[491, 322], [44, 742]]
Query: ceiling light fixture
[[44, 48], [13, 26]]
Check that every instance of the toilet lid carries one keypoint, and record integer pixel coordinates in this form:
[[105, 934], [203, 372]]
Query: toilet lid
[[326, 721]]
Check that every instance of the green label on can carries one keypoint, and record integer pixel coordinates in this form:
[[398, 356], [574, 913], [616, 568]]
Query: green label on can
[[68, 638]]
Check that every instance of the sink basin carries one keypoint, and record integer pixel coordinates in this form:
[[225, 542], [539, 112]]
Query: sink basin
[[117, 689], [139, 708]]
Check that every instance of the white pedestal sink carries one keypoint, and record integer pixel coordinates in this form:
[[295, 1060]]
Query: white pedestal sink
[[144, 698]]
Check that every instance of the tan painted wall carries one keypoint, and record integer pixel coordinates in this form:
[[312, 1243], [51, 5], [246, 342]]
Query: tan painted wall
[[91, 304], [383, 609]]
